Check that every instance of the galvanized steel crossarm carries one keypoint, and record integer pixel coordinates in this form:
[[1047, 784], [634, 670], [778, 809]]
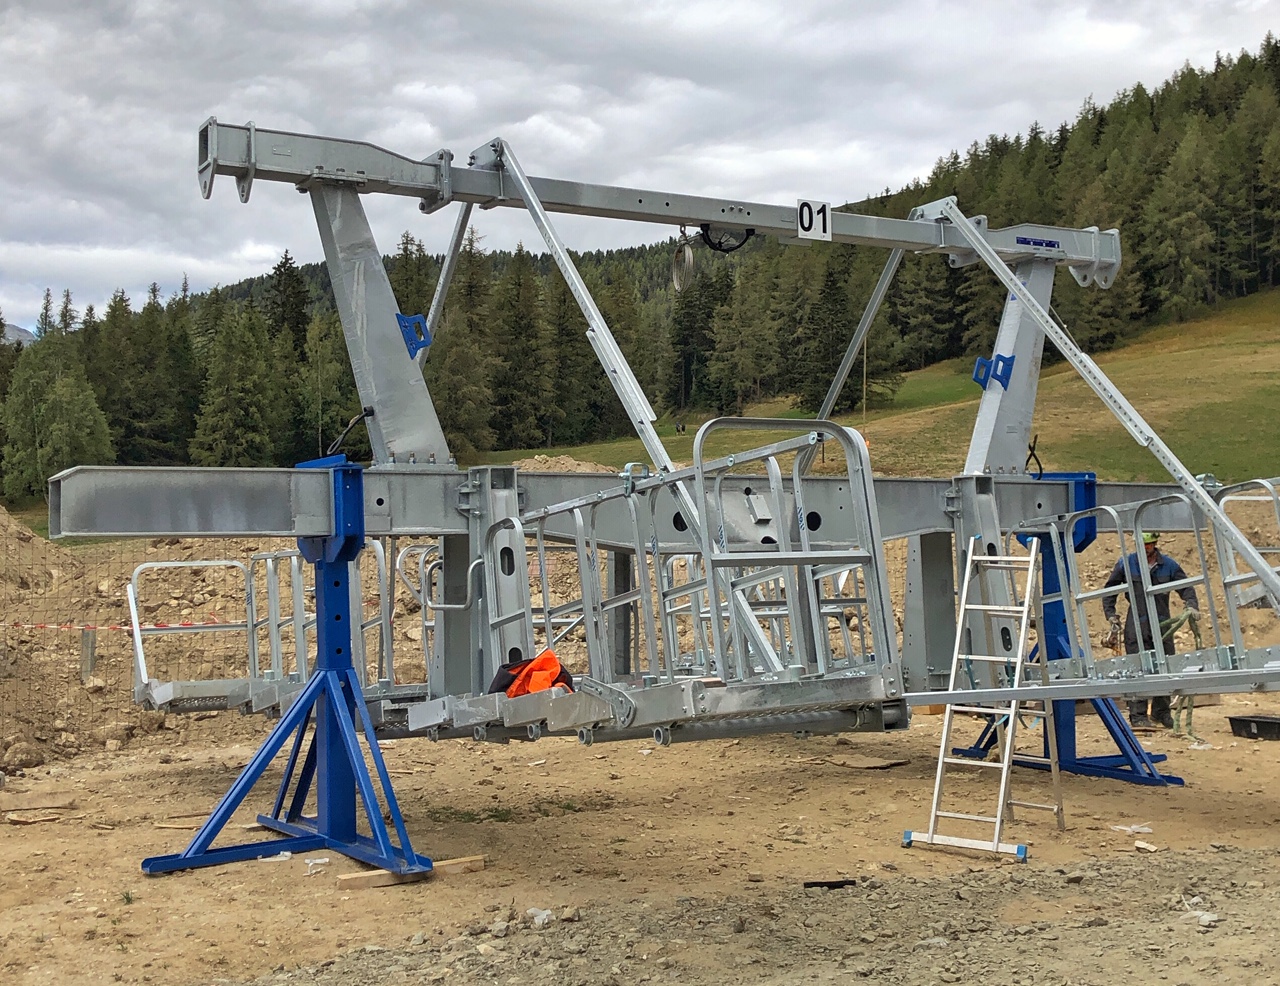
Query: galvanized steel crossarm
[[248, 153]]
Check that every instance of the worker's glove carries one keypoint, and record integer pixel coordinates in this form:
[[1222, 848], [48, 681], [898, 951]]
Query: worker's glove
[[1112, 639]]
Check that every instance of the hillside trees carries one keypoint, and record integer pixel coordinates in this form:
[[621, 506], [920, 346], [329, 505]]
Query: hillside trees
[[51, 418], [1188, 171]]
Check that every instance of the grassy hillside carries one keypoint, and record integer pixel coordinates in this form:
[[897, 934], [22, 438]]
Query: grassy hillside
[[1210, 388]]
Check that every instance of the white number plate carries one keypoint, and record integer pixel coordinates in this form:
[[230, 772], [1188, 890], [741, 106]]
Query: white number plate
[[813, 220]]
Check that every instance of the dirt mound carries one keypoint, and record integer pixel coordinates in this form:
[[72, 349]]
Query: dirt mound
[[561, 463]]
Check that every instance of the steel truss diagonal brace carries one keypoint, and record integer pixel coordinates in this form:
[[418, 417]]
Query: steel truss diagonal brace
[[497, 156], [1110, 395]]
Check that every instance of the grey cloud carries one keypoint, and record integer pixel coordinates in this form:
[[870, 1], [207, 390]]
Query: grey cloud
[[766, 99]]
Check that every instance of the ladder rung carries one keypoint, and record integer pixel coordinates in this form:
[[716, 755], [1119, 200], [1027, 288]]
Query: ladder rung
[[989, 658], [1002, 561], [997, 710], [966, 818], [972, 762], [993, 610], [1032, 804], [990, 845]]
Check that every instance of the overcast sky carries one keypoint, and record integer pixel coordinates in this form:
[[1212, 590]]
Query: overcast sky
[[767, 100]]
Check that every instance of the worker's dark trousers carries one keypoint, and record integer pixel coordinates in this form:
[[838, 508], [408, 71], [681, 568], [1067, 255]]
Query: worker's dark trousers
[[1160, 704], [1159, 707]]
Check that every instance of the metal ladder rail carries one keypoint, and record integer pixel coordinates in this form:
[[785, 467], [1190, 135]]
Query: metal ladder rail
[[1033, 599], [142, 680], [977, 567], [785, 648], [746, 640], [385, 670], [1005, 725]]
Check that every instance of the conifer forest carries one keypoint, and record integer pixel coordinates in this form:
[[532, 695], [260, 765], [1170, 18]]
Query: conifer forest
[[256, 373]]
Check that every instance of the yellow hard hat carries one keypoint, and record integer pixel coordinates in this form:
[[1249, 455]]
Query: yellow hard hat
[[1150, 537]]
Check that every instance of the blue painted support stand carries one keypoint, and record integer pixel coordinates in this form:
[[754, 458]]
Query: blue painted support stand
[[1132, 763], [334, 759]]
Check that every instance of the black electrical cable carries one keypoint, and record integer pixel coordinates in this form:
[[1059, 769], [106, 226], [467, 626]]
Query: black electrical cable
[[724, 244], [1032, 457], [337, 442]]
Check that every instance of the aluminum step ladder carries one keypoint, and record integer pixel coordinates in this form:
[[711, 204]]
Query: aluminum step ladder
[[998, 581]]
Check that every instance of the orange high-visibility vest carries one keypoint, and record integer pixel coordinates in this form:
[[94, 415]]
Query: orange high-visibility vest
[[537, 676]]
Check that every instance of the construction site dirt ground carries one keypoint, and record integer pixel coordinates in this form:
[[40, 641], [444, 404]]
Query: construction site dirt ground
[[678, 864]]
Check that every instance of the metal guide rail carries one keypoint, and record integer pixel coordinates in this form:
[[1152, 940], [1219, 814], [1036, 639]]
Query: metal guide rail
[[1221, 661], [809, 647], [272, 679]]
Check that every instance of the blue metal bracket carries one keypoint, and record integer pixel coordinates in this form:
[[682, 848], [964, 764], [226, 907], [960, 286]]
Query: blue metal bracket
[[416, 334], [331, 701], [999, 369], [1132, 762]]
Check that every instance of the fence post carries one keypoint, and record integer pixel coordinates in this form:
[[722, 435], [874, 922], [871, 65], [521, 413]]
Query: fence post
[[88, 653]]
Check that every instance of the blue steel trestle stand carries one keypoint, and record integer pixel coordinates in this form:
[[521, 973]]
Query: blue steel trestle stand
[[1132, 762], [334, 760]]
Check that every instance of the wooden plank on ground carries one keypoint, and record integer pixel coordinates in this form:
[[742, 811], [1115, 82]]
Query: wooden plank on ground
[[385, 878]]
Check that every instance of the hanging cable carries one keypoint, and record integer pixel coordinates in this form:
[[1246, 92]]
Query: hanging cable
[[1032, 457], [724, 243], [337, 442]]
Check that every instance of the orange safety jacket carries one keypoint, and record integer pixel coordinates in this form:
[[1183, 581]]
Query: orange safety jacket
[[534, 675]]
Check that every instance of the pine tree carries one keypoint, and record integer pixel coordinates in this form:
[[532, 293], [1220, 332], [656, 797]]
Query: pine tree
[[232, 429], [1268, 198], [460, 363], [577, 376], [1179, 217], [826, 334], [522, 380], [327, 391], [45, 324], [413, 274], [66, 314], [915, 313], [616, 300], [209, 313], [285, 304], [110, 362], [159, 417]]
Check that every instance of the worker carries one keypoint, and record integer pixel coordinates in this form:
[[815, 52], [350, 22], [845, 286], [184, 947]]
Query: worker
[[1163, 570]]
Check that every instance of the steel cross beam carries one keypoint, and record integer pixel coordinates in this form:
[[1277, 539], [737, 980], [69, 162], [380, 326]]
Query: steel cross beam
[[248, 153]]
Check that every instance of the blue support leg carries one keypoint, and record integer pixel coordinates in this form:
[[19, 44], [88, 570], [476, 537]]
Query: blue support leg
[[329, 704]]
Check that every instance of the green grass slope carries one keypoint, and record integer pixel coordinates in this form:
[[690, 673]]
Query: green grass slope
[[1210, 388]]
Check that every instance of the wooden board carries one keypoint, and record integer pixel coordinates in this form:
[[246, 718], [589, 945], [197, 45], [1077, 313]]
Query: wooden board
[[385, 878]]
